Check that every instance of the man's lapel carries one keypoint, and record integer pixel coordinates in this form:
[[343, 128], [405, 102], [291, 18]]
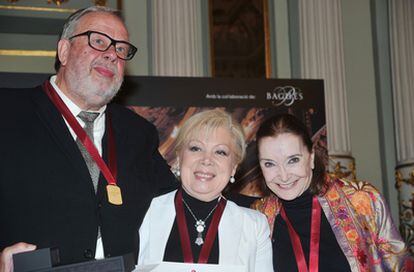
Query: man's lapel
[[55, 124]]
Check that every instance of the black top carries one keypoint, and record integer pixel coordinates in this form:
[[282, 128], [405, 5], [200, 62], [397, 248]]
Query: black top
[[331, 257], [242, 200], [173, 250]]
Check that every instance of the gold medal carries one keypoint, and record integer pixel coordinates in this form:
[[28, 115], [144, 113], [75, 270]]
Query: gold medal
[[114, 194]]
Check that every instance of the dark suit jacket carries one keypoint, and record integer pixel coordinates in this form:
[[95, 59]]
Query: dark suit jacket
[[46, 193]]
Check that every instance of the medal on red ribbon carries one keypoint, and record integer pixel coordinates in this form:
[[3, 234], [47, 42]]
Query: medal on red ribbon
[[113, 190], [183, 230]]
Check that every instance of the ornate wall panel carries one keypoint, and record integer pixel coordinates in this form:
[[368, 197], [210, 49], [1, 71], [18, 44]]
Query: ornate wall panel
[[239, 38]]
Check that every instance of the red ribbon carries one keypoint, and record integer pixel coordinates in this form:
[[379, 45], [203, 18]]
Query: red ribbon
[[183, 230], [314, 239], [84, 138]]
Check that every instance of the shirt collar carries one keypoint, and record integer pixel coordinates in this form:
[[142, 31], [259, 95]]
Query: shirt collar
[[74, 109]]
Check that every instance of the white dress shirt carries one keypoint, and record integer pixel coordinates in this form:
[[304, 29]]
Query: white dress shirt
[[98, 132]]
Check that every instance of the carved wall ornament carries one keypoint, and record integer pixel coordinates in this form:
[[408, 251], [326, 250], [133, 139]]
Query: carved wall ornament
[[57, 2], [342, 167], [404, 182]]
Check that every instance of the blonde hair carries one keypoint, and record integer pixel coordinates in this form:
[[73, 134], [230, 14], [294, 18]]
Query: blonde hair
[[208, 121]]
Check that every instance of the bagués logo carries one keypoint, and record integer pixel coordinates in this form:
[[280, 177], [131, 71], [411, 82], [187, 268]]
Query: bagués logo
[[286, 95]]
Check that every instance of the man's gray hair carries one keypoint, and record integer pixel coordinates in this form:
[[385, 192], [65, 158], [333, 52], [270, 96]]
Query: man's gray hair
[[72, 21]]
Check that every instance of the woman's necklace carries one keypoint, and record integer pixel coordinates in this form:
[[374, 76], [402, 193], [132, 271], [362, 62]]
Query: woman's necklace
[[200, 225]]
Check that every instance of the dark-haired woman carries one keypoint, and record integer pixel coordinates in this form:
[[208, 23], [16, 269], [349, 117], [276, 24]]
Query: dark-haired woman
[[319, 223]]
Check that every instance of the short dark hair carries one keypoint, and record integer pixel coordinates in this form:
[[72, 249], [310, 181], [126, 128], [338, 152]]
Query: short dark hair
[[287, 123], [72, 21]]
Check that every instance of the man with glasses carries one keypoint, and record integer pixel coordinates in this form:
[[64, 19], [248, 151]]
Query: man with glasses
[[77, 172]]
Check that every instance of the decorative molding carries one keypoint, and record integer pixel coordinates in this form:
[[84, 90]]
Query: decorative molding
[[267, 39], [404, 178], [28, 53], [56, 2], [342, 167], [29, 8], [399, 180], [404, 165], [60, 2]]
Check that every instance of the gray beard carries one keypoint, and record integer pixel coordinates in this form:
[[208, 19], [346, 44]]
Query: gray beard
[[90, 94]]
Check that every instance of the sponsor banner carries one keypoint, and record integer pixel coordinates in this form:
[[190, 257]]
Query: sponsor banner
[[168, 101], [219, 92]]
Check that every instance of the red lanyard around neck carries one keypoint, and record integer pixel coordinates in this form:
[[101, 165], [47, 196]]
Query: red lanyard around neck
[[314, 239], [183, 230], [108, 172]]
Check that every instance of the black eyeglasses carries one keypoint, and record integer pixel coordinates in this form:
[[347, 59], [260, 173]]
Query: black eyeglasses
[[101, 42]]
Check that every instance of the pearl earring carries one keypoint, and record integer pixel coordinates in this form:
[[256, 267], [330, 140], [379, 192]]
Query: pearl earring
[[232, 179]]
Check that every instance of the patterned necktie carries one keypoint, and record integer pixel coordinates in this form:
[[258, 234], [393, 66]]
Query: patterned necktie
[[88, 118]]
